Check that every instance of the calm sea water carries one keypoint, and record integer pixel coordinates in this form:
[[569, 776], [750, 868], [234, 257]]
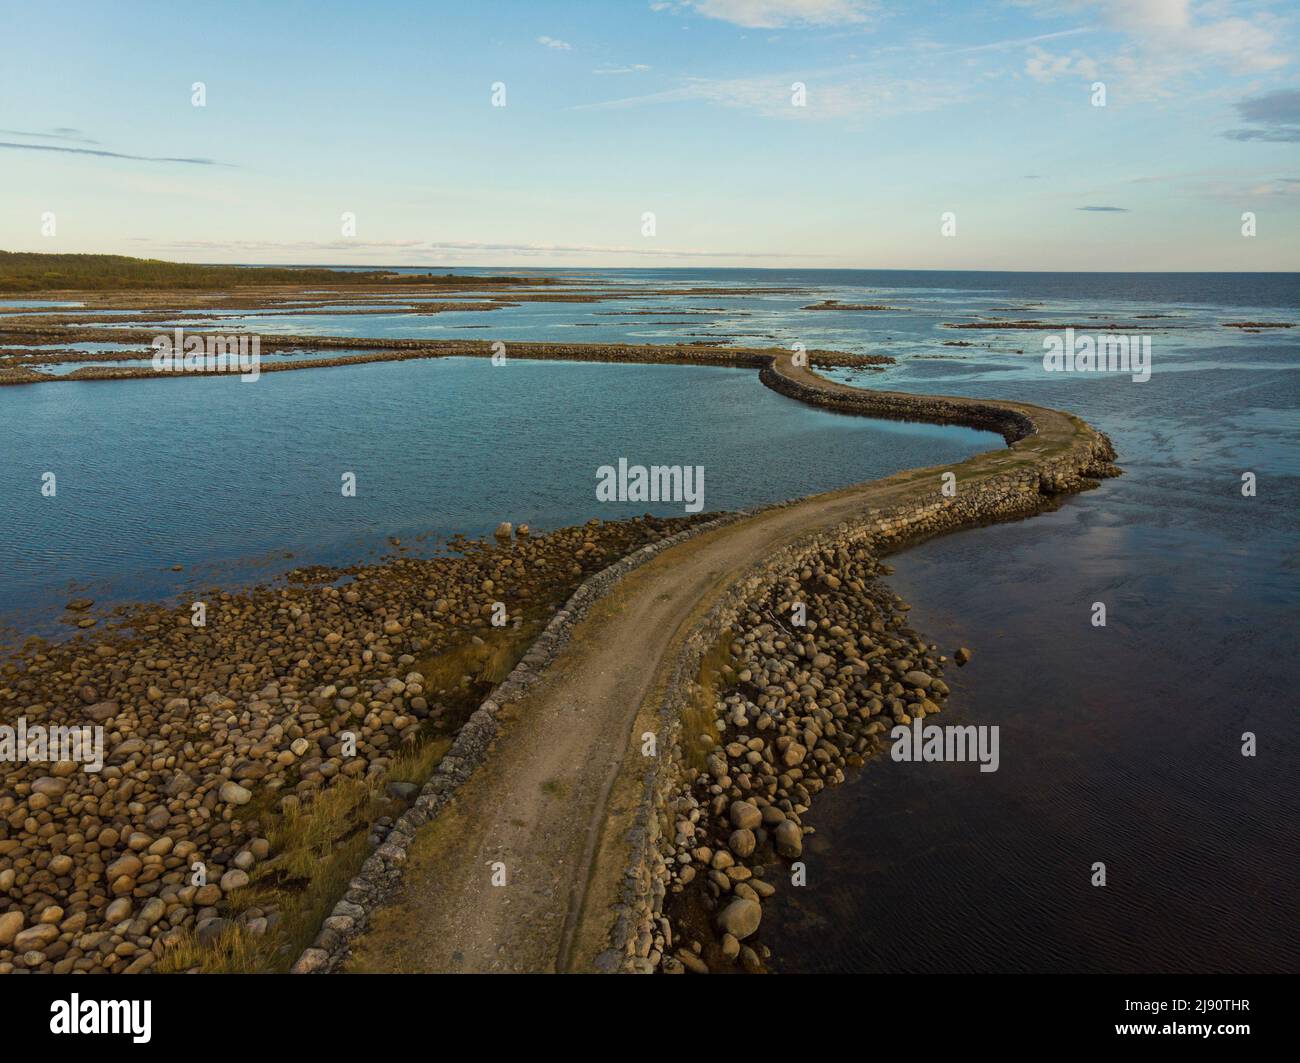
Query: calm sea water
[[1119, 745], [237, 480]]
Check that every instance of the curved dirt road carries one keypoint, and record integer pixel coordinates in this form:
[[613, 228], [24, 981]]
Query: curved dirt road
[[554, 798]]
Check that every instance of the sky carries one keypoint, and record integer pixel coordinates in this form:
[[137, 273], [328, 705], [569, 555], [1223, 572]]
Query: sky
[[651, 133]]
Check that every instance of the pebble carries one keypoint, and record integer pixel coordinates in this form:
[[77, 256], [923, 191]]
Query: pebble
[[788, 839], [741, 842], [691, 962]]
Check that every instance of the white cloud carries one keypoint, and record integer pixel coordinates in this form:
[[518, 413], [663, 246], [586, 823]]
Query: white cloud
[[1167, 39], [1244, 43], [558, 45], [836, 93], [422, 249], [1044, 66], [635, 68], [1233, 185], [775, 14]]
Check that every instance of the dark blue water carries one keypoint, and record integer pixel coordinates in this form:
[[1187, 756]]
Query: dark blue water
[[1218, 289], [1120, 745]]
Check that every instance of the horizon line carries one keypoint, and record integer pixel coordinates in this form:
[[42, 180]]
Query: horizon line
[[782, 269], [644, 267]]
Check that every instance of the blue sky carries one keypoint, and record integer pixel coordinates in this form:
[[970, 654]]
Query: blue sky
[[683, 109]]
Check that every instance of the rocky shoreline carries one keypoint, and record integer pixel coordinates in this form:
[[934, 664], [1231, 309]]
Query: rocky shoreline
[[787, 708], [215, 738]]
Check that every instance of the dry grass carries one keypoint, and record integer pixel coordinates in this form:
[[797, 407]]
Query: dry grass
[[486, 664], [699, 731], [446, 670], [501, 658], [319, 848], [234, 952]]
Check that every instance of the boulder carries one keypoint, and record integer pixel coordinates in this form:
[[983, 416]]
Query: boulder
[[745, 815], [10, 924], [740, 918], [787, 838], [742, 842], [234, 794]]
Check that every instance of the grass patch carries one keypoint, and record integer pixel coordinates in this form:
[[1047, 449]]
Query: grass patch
[[319, 849], [699, 731], [321, 846], [234, 951], [483, 665]]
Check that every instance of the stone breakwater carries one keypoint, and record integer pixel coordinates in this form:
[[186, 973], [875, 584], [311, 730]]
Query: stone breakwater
[[19, 371], [787, 707], [790, 710], [1012, 422]]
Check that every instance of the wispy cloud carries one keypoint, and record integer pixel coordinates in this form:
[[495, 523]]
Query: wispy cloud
[[1275, 116], [1105, 210], [843, 92], [635, 68], [557, 45], [57, 133], [775, 14], [1281, 135], [851, 90], [1248, 189], [98, 153], [1014, 42], [428, 247], [1230, 184]]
